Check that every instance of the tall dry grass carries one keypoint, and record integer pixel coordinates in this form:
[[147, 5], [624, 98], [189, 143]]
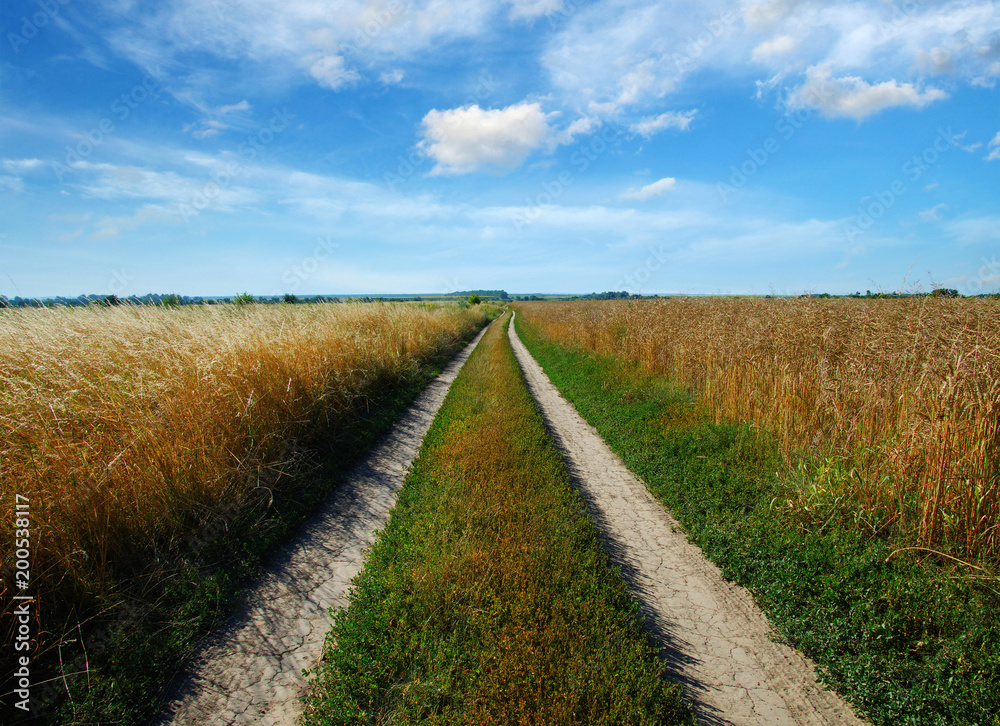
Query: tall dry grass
[[136, 430], [899, 399]]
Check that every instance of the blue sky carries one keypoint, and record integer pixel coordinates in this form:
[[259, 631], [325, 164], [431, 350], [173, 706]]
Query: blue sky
[[208, 147]]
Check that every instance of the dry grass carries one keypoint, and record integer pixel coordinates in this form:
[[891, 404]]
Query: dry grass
[[897, 401], [132, 429]]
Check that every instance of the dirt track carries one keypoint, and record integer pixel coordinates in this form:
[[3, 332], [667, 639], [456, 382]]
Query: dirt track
[[715, 639], [250, 672]]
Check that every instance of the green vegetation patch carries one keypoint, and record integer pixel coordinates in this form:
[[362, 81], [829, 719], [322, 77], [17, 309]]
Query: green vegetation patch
[[907, 642], [488, 598]]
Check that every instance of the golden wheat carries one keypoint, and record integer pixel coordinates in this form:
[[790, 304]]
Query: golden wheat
[[903, 394], [131, 427]]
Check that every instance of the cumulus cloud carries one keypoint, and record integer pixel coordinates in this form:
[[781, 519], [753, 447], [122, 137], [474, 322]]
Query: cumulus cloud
[[679, 120], [331, 71], [853, 97], [781, 45], [651, 190], [467, 139], [391, 78], [994, 154]]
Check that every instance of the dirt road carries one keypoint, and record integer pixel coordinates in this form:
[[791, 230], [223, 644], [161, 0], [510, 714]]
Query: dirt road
[[251, 670], [715, 639]]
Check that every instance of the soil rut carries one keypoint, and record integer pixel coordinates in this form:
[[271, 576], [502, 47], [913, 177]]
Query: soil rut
[[716, 641], [250, 672]]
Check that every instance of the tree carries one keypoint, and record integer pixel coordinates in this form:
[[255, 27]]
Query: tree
[[289, 299], [474, 299], [244, 298]]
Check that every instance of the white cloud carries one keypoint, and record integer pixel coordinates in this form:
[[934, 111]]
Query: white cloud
[[651, 190], [12, 184], [931, 215], [781, 45], [583, 125], [331, 71], [679, 120], [391, 78], [468, 139], [205, 128], [279, 36], [19, 166], [113, 182], [853, 97], [243, 105], [112, 227], [994, 154], [763, 15], [530, 9], [611, 57]]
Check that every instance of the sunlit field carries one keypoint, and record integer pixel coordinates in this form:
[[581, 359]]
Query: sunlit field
[[889, 408], [141, 434]]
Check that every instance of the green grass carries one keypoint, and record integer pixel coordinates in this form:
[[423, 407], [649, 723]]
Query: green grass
[[132, 659], [907, 642], [488, 598]]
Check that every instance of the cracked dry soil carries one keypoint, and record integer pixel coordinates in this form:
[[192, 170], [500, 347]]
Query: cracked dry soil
[[717, 642], [250, 671]]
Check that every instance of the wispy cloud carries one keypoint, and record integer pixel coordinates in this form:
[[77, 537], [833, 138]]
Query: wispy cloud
[[994, 154], [680, 120], [651, 190], [931, 215]]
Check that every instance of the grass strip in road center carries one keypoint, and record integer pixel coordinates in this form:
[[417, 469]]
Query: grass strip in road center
[[488, 598]]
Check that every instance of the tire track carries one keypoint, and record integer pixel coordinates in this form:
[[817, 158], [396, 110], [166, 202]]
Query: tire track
[[250, 671], [716, 641]]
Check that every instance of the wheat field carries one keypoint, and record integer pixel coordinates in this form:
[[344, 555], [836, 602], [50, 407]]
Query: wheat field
[[890, 404], [132, 429]]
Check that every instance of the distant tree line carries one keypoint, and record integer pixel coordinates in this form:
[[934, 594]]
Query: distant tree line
[[171, 300], [483, 294]]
